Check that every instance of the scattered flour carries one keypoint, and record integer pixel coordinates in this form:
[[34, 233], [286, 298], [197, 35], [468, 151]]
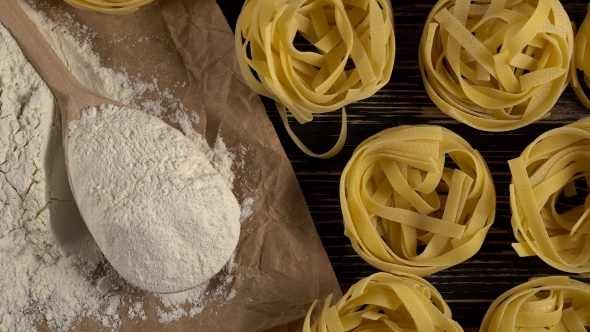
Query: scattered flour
[[51, 267], [246, 208], [218, 289], [34, 267], [136, 310], [162, 215], [221, 159]]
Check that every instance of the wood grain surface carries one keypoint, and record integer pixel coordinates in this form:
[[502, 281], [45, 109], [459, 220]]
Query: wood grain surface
[[470, 287]]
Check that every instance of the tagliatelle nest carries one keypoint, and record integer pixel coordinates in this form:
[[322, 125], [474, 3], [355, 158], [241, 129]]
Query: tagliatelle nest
[[542, 304], [385, 302], [547, 168], [404, 211], [318, 81], [496, 65], [113, 7], [581, 60]]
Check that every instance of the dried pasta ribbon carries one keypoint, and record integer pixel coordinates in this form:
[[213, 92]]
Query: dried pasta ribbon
[[397, 197], [385, 302], [496, 65], [581, 60], [113, 7], [354, 50], [542, 304], [545, 169]]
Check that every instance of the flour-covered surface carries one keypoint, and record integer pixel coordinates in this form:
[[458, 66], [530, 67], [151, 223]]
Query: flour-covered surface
[[39, 282], [162, 61]]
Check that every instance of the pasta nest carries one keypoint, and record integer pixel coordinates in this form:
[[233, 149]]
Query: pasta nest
[[352, 57], [385, 302], [113, 7], [496, 65], [547, 168], [541, 304], [581, 60], [397, 197]]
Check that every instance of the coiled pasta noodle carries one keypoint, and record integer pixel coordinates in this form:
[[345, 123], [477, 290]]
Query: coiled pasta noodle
[[113, 7], [581, 60], [310, 82], [385, 302], [396, 195], [496, 65], [544, 304], [547, 168]]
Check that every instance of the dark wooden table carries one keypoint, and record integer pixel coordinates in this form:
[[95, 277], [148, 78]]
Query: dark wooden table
[[470, 287]]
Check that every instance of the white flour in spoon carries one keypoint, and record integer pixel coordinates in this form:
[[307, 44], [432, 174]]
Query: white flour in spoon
[[162, 215]]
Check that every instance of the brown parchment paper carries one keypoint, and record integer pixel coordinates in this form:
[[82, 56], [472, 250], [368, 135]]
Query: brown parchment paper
[[186, 46]]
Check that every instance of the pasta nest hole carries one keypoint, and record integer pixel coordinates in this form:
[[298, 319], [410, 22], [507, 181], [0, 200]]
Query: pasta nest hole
[[404, 211], [550, 200], [548, 303], [385, 302], [316, 56], [496, 65]]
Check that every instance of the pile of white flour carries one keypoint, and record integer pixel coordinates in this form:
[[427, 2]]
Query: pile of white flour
[[50, 266], [162, 215], [34, 268]]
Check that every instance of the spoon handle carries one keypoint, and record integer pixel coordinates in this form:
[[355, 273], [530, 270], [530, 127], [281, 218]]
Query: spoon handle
[[71, 96], [38, 51]]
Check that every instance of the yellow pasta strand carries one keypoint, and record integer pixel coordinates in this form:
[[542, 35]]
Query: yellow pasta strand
[[552, 304], [385, 302], [310, 82], [496, 65], [397, 195], [113, 7], [581, 60], [545, 169]]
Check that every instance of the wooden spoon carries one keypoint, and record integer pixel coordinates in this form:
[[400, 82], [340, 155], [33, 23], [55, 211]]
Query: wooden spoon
[[71, 96]]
